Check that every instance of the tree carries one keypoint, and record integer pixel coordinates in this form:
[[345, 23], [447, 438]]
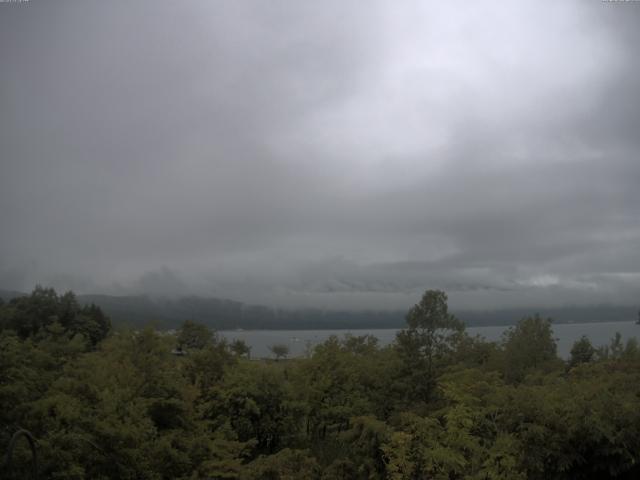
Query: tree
[[27, 315], [529, 346], [91, 323], [287, 464], [240, 348], [280, 350], [431, 335], [614, 350], [362, 444], [339, 382], [581, 352], [33, 316], [617, 350], [194, 335], [205, 367], [254, 398]]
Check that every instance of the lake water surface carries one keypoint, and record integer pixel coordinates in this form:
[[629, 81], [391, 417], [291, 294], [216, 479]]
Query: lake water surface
[[299, 340]]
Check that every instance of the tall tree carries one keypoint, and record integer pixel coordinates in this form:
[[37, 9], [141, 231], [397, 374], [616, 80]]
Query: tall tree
[[529, 346], [430, 337], [581, 352]]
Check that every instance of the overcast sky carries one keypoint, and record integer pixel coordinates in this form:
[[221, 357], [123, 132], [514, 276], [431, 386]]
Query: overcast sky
[[330, 154]]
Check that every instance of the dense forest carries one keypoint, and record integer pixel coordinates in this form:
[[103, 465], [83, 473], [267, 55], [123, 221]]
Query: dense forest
[[105, 403]]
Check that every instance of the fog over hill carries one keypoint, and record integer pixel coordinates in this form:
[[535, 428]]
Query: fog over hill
[[224, 314]]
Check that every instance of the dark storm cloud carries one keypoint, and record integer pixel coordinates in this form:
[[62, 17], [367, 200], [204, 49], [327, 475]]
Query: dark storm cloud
[[327, 154]]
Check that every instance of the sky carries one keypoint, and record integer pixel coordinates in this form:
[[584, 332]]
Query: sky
[[334, 154]]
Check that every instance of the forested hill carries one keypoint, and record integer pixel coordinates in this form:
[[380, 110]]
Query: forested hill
[[224, 314]]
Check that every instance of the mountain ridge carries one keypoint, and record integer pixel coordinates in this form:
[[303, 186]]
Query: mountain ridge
[[225, 314]]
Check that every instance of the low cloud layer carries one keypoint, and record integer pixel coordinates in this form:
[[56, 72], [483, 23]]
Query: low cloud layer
[[327, 154]]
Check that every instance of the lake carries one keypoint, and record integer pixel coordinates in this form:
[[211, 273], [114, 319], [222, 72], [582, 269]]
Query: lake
[[297, 340]]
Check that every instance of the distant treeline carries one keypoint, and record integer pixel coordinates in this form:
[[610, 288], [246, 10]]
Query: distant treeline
[[223, 314]]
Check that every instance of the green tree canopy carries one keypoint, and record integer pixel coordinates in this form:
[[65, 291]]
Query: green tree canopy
[[194, 335], [430, 337], [581, 352], [528, 346], [33, 315]]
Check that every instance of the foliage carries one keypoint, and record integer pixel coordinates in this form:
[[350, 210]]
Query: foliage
[[279, 350], [581, 352], [240, 348], [36, 314], [529, 347], [194, 335], [427, 342], [436, 404]]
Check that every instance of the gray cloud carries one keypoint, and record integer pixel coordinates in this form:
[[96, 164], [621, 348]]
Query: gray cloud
[[323, 154]]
